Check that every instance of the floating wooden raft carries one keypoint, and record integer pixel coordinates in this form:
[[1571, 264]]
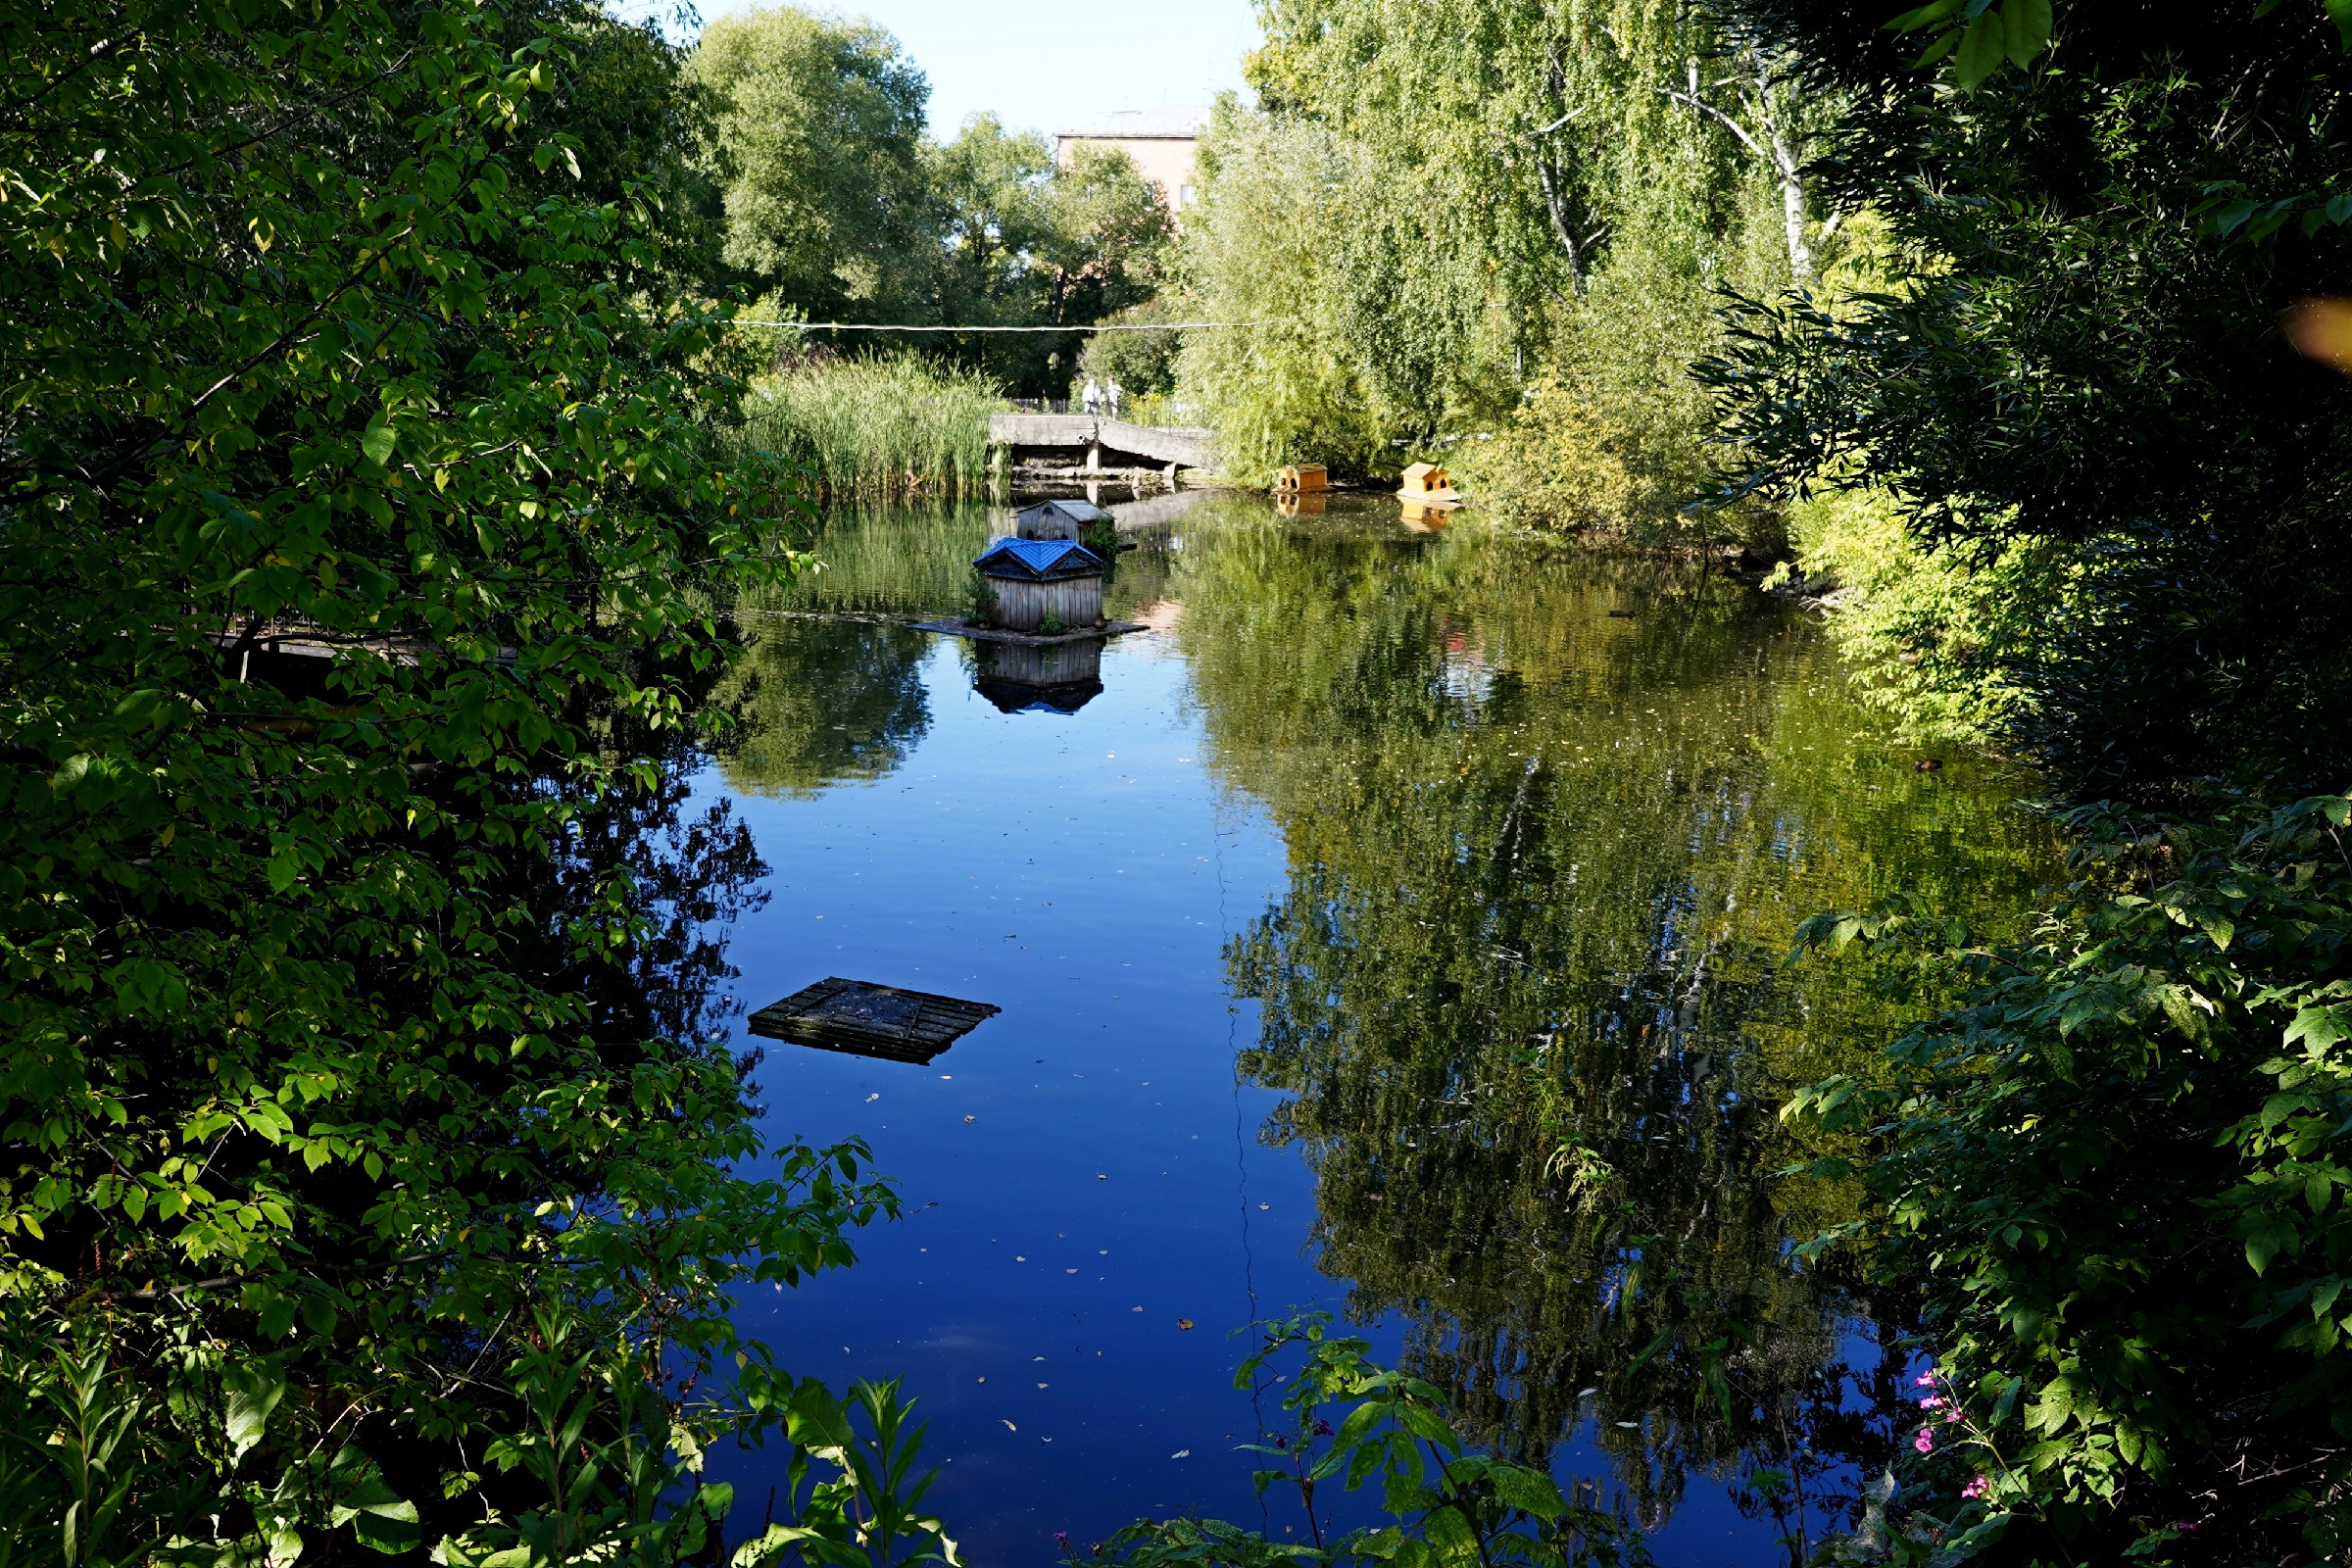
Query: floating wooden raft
[[871, 1021]]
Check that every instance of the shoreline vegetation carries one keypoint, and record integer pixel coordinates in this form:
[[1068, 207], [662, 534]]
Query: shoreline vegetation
[[370, 1173], [883, 428]]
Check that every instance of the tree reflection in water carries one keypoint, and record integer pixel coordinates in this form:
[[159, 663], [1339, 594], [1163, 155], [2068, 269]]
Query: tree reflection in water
[[816, 702], [1524, 991]]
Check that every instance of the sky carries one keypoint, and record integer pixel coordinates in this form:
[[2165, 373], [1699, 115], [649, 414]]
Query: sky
[[1046, 64]]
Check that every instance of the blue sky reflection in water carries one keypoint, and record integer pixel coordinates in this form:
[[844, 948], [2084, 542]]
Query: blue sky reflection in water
[[1397, 931]]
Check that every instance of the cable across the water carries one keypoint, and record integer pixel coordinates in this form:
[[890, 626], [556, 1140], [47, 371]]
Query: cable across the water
[[1107, 326]]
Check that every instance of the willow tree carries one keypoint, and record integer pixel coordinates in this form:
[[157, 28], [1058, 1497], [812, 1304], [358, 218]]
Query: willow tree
[[355, 505], [1540, 186]]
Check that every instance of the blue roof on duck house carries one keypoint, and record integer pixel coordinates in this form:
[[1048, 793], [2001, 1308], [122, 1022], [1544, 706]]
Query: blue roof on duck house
[[1038, 560]]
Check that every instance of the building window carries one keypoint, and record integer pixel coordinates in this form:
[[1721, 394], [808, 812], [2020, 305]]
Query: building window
[[1183, 197]]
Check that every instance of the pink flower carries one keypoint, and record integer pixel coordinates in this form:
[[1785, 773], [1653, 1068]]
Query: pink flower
[[1976, 1488], [1934, 1401], [1925, 1443], [1952, 1414], [1926, 1380]]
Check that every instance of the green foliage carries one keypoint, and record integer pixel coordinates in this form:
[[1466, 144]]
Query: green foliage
[[818, 161], [209, 1458], [835, 207], [359, 514], [2193, 464], [1928, 638], [1024, 243], [1534, 193], [1284, 388], [1144, 364], [1452, 1506], [2118, 1170], [882, 426]]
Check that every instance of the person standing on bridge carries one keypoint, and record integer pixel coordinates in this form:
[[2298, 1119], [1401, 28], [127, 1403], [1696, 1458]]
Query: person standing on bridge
[[1092, 397], [1112, 393]]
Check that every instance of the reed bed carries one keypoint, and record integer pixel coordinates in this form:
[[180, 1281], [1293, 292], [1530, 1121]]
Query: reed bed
[[887, 426]]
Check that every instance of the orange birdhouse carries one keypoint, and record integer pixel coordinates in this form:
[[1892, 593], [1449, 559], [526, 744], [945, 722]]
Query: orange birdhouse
[[1426, 481], [1301, 479]]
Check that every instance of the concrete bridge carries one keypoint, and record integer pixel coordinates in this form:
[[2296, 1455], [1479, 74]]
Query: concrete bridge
[[1098, 438]]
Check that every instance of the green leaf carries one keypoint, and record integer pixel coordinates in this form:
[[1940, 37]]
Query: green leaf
[[1913, 21], [2340, 13], [376, 442], [1982, 50], [254, 1390], [1528, 1489], [2025, 28]]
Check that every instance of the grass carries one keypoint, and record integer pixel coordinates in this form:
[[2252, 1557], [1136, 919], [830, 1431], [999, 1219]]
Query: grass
[[897, 426]]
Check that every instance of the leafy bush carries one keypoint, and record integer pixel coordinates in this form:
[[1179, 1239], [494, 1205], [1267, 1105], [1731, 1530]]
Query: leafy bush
[[1933, 642], [2119, 1172], [1559, 466], [1453, 1508]]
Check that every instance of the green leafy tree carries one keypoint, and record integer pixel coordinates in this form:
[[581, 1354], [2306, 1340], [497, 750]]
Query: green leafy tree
[[357, 507], [819, 164], [1026, 243]]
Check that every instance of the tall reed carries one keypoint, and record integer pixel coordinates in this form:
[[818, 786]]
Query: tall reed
[[896, 425]]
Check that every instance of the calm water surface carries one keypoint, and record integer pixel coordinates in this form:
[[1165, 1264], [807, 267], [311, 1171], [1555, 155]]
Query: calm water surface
[[1396, 930]]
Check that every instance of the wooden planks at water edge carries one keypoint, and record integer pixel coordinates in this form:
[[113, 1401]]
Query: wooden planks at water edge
[[1186, 448], [865, 1019]]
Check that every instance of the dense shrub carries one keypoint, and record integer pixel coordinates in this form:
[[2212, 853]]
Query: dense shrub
[[2119, 1173]]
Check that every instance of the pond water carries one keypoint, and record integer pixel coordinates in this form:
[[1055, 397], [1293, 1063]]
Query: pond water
[[1396, 930]]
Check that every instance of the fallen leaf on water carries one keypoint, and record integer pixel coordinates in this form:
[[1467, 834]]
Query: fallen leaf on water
[[971, 1118], [1184, 1322], [1629, 1423], [1008, 1426], [1180, 1453], [1040, 1385], [1135, 1309], [1101, 1178], [870, 1098], [984, 1379]]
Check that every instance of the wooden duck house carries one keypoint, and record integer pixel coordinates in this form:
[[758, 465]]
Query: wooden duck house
[[1039, 580], [1058, 520], [1301, 479], [1426, 481]]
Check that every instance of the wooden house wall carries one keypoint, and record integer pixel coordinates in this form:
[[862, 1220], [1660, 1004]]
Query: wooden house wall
[[1023, 605]]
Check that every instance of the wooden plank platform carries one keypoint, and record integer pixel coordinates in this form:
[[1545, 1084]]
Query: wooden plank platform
[[864, 1019]]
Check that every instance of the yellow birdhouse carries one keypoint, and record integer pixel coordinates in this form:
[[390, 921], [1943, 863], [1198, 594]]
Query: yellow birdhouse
[[1301, 479], [1426, 481]]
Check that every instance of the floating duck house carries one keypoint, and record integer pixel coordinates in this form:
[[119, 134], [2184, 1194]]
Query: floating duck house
[[1301, 479], [1427, 482], [1058, 520], [1039, 578]]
